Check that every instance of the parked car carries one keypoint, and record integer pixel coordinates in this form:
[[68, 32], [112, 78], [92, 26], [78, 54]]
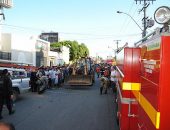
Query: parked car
[[20, 81]]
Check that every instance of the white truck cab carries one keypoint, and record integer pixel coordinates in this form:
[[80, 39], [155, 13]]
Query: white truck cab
[[20, 81]]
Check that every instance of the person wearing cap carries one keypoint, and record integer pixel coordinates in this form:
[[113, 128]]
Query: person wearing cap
[[6, 93]]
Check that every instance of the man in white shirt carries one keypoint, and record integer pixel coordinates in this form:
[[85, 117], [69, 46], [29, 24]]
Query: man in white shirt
[[52, 76], [113, 78]]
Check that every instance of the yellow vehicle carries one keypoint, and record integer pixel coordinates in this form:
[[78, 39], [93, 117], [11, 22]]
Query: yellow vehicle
[[82, 73]]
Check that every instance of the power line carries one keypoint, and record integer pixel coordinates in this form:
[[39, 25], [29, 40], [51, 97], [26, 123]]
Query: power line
[[67, 33], [111, 37], [126, 18], [38, 29]]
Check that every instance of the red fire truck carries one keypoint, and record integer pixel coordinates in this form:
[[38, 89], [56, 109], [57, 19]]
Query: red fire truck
[[143, 90]]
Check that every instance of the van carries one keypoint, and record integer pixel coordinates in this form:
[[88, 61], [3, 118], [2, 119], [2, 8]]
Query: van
[[20, 81]]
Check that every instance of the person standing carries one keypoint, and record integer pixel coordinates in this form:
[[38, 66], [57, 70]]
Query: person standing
[[6, 93], [52, 76], [98, 71], [107, 73], [104, 84], [113, 78]]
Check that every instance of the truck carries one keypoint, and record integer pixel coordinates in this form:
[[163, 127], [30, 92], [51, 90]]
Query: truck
[[81, 73], [20, 81], [143, 81]]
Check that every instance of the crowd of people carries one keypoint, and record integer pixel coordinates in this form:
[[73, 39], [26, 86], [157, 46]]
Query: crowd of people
[[108, 77], [50, 76]]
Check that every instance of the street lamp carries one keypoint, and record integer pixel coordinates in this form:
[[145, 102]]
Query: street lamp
[[119, 12]]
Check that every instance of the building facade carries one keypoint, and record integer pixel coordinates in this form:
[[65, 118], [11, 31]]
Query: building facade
[[50, 37], [32, 51], [59, 58]]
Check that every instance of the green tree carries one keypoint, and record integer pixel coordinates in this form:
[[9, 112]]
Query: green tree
[[76, 50]]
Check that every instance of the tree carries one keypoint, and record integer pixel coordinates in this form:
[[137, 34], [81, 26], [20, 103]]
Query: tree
[[76, 50]]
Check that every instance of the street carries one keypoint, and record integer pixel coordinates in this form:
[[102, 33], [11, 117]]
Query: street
[[65, 109]]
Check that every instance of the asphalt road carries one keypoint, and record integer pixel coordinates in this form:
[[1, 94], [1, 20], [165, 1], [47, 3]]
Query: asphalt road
[[65, 109]]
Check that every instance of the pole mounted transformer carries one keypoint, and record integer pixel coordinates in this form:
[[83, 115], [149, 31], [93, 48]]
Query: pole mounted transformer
[[146, 23], [6, 3]]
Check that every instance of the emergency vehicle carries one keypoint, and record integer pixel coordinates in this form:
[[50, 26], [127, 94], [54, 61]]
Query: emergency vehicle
[[143, 89]]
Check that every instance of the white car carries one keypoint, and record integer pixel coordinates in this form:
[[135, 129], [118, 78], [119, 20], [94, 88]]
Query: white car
[[20, 81]]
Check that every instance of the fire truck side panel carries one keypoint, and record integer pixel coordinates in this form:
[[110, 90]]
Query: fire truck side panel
[[136, 65], [127, 106], [150, 74], [123, 116], [148, 96], [127, 65], [144, 123], [127, 123], [165, 84], [154, 96]]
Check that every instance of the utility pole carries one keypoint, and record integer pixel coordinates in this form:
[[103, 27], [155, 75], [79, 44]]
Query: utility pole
[[145, 5], [117, 42]]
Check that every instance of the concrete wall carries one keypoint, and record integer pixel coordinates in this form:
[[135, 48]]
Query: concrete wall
[[5, 42], [23, 49]]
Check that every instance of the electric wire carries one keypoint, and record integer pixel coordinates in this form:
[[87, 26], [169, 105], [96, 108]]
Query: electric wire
[[126, 18], [130, 20], [92, 36]]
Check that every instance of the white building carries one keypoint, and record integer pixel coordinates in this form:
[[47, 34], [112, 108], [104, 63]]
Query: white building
[[31, 51], [23, 50], [59, 58]]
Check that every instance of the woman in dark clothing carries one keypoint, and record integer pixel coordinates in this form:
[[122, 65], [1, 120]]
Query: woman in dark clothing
[[6, 93]]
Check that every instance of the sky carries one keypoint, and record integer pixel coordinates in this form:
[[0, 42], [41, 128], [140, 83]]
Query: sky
[[92, 22]]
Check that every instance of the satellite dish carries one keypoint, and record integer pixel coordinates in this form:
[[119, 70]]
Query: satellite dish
[[162, 15]]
